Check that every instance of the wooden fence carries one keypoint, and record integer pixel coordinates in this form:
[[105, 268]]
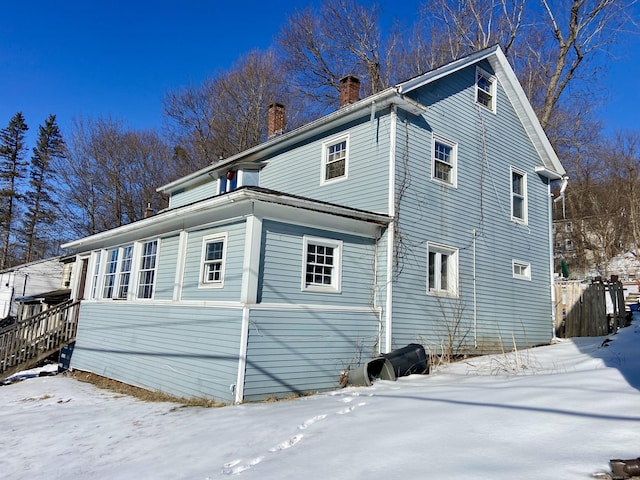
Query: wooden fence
[[33, 339], [581, 309]]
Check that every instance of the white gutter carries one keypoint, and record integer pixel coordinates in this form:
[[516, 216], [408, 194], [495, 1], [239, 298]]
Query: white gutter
[[154, 225], [379, 101]]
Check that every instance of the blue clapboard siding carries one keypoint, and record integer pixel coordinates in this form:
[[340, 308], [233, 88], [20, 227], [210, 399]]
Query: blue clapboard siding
[[195, 193], [282, 267], [233, 265], [298, 351], [506, 307], [166, 273], [182, 351], [298, 171]]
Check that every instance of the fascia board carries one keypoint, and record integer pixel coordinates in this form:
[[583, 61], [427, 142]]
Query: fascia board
[[344, 115], [234, 205], [445, 70], [525, 112], [505, 74]]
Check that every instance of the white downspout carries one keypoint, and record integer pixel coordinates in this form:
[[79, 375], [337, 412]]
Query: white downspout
[[390, 231], [475, 294], [563, 187], [248, 296]]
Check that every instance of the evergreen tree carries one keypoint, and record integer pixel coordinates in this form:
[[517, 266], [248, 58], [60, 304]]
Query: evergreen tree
[[40, 202], [12, 170]]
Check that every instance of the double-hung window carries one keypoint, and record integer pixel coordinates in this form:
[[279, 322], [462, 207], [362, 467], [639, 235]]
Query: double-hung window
[[485, 89], [322, 268], [213, 260], [147, 272], [518, 196], [95, 278], [109, 280], [117, 272], [444, 161], [126, 262], [442, 270], [335, 158]]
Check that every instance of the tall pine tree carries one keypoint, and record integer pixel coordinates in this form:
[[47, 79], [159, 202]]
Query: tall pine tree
[[40, 203], [12, 170]]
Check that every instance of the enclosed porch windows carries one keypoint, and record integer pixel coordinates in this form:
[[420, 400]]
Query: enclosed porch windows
[[113, 271]]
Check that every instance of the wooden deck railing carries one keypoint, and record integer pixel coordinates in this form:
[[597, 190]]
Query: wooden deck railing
[[27, 342]]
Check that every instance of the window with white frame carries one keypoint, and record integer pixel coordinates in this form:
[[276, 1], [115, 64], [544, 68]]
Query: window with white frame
[[147, 271], [444, 160], [521, 270], [95, 278], [518, 196], [322, 269], [113, 271], [213, 260], [109, 279], [485, 89], [124, 276], [117, 272], [442, 270], [568, 244], [334, 159]]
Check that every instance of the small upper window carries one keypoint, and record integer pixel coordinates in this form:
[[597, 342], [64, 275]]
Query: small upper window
[[322, 265], [521, 270], [213, 259], [518, 196], [485, 89], [335, 157], [444, 161]]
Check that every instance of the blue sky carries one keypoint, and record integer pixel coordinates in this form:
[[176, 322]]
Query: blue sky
[[118, 58]]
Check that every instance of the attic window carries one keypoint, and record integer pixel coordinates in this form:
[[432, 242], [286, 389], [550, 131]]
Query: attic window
[[485, 89]]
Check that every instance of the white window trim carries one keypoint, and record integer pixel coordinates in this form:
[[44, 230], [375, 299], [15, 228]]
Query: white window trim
[[454, 160], [99, 261], [96, 275], [137, 256], [325, 152], [336, 273], [115, 273], [205, 240], [453, 272], [523, 266], [525, 207], [493, 80]]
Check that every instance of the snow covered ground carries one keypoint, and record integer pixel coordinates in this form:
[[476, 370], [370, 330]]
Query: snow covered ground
[[555, 412]]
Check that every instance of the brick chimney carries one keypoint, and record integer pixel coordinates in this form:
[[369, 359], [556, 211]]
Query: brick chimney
[[349, 90], [275, 119], [148, 212]]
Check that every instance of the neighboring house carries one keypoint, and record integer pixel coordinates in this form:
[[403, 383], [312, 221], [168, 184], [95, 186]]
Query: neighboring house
[[28, 280], [575, 240], [418, 214]]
